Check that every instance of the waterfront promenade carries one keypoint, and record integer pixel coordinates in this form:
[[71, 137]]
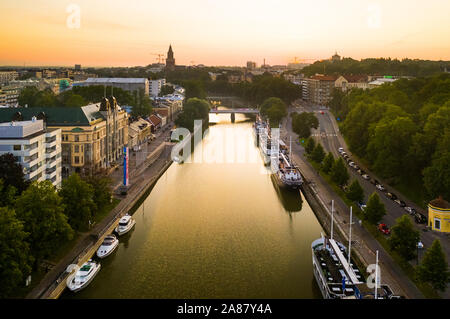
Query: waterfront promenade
[[145, 168]]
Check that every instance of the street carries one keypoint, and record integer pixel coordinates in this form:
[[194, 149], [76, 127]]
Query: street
[[329, 135]]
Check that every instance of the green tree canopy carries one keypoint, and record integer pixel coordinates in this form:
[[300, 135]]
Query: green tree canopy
[[303, 123], [355, 192], [194, 109], [41, 210], [375, 209], [15, 257], [275, 109], [78, 199], [404, 238], [166, 89], [309, 145], [12, 173], [327, 163], [434, 267], [339, 173], [318, 153]]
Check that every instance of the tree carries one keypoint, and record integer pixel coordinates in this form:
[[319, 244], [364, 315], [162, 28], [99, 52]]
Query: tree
[[75, 101], [375, 209], [12, 173], [339, 173], [41, 210], [303, 122], [15, 257], [327, 163], [275, 109], [318, 153], [194, 88], [309, 145], [355, 192], [434, 268], [166, 89], [437, 176], [404, 238], [78, 199], [142, 105], [27, 96], [7, 194], [194, 109], [100, 183]]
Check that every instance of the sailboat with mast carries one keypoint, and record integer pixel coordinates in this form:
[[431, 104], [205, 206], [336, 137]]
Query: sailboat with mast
[[336, 273]]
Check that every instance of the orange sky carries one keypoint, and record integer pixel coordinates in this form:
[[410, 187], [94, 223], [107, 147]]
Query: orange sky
[[219, 32]]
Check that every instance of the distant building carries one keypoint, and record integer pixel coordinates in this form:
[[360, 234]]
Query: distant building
[[155, 121], [127, 84], [9, 95], [347, 82], [155, 86], [380, 81], [439, 215], [251, 65], [139, 132], [77, 67], [7, 76], [318, 88], [36, 148], [336, 57], [170, 60]]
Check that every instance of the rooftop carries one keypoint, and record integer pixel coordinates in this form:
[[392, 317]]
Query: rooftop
[[440, 203], [116, 80]]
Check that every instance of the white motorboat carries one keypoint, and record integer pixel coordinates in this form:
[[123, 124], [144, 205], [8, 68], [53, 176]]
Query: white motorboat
[[83, 276], [109, 244], [126, 223]]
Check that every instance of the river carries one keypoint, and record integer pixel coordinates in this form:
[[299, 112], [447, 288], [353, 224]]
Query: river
[[215, 228]]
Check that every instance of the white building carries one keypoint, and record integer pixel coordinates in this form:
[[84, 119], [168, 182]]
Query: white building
[[156, 85], [127, 84], [37, 149], [7, 76]]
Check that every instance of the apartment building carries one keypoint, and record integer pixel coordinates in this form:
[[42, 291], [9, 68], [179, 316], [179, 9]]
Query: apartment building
[[9, 95], [7, 76], [92, 136], [36, 148], [318, 88], [155, 86], [127, 84]]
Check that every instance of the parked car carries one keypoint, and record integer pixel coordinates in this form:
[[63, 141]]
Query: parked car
[[373, 181], [351, 164], [341, 150], [366, 177], [384, 229], [391, 196], [400, 202], [356, 167], [420, 245], [380, 187], [420, 218], [410, 210]]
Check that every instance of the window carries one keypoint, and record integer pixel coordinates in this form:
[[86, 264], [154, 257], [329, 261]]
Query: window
[[77, 160], [77, 138], [17, 147], [437, 223], [77, 148]]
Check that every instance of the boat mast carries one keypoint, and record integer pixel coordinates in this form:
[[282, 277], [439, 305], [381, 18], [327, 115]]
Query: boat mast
[[332, 217], [350, 237], [376, 276]]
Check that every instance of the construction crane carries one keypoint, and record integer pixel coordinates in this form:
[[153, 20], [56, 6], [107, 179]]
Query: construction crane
[[160, 57]]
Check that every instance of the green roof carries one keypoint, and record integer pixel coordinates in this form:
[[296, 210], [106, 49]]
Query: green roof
[[57, 116]]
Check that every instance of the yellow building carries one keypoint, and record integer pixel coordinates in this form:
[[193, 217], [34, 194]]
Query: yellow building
[[439, 215], [92, 136]]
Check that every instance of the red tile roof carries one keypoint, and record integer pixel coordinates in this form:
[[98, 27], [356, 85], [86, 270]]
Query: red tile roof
[[154, 120]]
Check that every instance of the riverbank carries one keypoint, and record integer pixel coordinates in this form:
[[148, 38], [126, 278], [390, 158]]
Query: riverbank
[[142, 180]]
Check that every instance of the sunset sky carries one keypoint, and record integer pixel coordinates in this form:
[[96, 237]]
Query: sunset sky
[[219, 32]]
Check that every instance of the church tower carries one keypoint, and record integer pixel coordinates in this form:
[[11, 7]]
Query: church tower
[[170, 61]]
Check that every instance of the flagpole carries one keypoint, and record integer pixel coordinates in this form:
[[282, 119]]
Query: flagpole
[[332, 217], [376, 276], [350, 237]]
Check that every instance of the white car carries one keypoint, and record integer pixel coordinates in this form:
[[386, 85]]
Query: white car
[[366, 177], [409, 209], [341, 150], [380, 187], [351, 164], [420, 245]]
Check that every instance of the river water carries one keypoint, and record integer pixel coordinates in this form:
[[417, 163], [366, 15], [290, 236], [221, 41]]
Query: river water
[[218, 227]]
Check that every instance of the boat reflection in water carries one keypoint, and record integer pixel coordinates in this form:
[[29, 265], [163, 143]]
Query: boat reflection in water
[[291, 201]]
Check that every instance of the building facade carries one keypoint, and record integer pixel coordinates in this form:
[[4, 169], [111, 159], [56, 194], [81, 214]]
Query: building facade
[[155, 86], [7, 76], [439, 215], [36, 148], [127, 84], [9, 95], [92, 136], [318, 89]]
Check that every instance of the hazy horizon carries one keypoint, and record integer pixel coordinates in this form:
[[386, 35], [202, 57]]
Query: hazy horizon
[[219, 33]]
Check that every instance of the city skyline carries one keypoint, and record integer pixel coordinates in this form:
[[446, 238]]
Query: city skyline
[[63, 33]]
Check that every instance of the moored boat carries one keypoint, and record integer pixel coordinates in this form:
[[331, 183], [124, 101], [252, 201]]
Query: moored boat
[[83, 276], [126, 223], [110, 243]]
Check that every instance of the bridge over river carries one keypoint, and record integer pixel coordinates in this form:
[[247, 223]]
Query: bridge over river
[[233, 111]]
